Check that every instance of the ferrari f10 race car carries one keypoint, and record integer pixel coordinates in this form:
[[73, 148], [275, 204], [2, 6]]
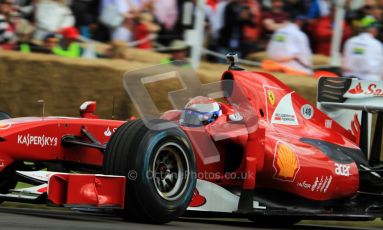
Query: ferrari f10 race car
[[258, 151]]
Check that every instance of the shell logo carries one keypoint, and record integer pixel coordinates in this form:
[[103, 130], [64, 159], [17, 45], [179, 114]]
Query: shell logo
[[286, 163]]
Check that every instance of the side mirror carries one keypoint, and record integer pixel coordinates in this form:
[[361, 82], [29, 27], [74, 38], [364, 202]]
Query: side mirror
[[87, 109]]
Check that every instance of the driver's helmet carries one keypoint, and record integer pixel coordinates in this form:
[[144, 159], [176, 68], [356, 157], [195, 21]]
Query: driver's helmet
[[200, 111]]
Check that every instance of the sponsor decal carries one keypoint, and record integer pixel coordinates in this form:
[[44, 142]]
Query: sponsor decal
[[307, 111], [342, 170], [284, 114], [108, 132], [373, 89], [304, 184], [328, 124], [327, 185], [5, 125], [358, 51], [366, 89], [43, 190], [197, 199], [321, 184], [279, 38], [357, 90], [42, 141], [286, 163], [283, 117], [315, 185], [271, 97]]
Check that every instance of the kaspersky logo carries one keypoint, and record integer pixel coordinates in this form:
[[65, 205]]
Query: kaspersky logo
[[286, 163]]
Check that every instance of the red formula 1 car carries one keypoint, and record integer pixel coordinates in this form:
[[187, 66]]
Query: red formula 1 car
[[267, 154]]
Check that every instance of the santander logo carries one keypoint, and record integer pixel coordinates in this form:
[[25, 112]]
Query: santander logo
[[357, 90], [373, 89], [197, 199]]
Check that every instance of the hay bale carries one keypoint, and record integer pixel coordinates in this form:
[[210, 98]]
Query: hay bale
[[65, 83], [318, 59]]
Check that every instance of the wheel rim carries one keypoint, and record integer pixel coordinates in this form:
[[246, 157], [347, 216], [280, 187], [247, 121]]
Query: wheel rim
[[170, 171]]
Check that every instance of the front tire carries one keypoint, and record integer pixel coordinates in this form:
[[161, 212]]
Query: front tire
[[159, 166], [8, 179]]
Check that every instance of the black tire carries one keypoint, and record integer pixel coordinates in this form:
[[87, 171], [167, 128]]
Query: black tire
[[4, 115], [274, 221], [135, 151], [8, 179]]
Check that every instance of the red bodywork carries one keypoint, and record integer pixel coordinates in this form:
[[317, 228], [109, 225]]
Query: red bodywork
[[39, 139], [273, 154], [86, 189]]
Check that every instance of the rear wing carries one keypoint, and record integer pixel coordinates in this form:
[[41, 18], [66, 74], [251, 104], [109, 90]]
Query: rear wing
[[351, 102], [350, 93]]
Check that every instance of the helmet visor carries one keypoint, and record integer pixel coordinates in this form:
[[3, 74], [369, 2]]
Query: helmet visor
[[194, 118]]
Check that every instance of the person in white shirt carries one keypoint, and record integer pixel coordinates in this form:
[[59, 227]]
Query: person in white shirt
[[123, 7], [166, 12], [363, 54], [52, 16], [215, 16], [290, 47], [124, 32]]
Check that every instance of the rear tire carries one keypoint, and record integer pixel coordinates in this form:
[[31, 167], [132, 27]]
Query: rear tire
[[8, 177], [159, 166]]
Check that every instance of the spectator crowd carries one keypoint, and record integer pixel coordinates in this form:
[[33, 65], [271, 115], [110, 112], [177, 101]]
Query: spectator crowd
[[279, 27]]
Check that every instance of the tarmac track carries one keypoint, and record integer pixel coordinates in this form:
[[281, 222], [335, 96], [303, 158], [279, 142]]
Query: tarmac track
[[27, 218]]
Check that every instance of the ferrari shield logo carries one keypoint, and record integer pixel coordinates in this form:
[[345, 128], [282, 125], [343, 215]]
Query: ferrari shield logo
[[286, 163], [271, 97]]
